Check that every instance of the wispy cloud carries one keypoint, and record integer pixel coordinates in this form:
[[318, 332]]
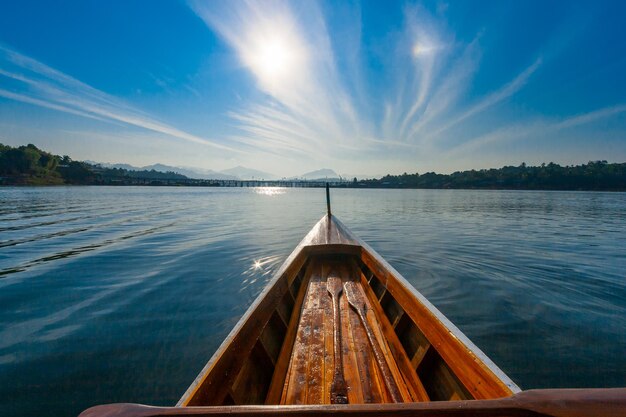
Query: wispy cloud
[[41, 85], [535, 127], [307, 107], [492, 99]]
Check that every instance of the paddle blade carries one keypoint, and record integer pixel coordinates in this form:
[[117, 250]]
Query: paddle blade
[[333, 285], [355, 299]]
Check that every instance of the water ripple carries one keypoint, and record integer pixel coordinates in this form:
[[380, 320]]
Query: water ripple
[[83, 249]]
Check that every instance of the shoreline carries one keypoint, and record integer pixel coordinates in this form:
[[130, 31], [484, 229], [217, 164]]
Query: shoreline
[[262, 184]]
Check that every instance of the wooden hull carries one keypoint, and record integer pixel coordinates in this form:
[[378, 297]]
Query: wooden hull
[[282, 351]]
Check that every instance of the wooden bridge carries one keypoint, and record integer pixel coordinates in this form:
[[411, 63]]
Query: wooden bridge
[[189, 182]]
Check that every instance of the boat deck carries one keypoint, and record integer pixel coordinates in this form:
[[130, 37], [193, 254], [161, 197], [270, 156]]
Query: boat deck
[[311, 365]]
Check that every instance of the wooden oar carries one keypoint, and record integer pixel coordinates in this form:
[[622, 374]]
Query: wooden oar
[[356, 301], [338, 389]]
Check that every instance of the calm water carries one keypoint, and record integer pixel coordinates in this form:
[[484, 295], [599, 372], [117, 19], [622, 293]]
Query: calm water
[[122, 294]]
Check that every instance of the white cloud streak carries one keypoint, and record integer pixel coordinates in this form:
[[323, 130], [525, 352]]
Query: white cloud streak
[[537, 127], [307, 109], [46, 87], [493, 98]]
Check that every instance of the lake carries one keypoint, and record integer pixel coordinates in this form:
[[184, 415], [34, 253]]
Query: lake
[[121, 294]]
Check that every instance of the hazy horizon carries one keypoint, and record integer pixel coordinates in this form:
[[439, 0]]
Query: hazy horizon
[[363, 88]]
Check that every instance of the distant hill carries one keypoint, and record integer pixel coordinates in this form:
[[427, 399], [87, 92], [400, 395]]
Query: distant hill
[[244, 173], [320, 174], [195, 173], [236, 173], [119, 166]]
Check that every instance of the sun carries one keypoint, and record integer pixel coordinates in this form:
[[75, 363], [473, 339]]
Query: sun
[[275, 55]]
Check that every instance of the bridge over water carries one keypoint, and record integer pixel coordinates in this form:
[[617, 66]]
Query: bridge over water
[[223, 183]]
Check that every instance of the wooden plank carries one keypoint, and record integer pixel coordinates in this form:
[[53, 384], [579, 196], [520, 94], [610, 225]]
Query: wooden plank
[[392, 344], [296, 385], [441, 384], [294, 285], [295, 388], [329, 326], [250, 386], [273, 337], [280, 370], [351, 372], [285, 307], [370, 381], [316, 349], [413, 341], [392, 309], [388, 357]]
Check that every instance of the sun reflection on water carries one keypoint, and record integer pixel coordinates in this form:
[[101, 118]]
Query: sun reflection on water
[[259, 272], [271, 191]]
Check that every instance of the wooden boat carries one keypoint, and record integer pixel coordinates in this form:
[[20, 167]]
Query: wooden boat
[[340, 331]]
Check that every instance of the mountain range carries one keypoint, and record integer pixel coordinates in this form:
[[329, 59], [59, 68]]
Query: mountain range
[[324, 173], [244, 173], [236, 173]]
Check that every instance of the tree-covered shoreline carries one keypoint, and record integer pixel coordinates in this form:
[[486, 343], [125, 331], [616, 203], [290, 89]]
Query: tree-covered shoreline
[[29, 165], [593, 176]]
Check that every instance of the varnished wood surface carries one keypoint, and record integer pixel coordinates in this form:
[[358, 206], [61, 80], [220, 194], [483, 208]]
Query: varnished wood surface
[[609, 402], [329, 232], [338, 388], [414, 384], [312, 367], [354, 295]]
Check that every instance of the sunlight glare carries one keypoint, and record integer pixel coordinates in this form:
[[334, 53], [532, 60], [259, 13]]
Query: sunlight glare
[[420, 49], [270, 191], [276, 55]]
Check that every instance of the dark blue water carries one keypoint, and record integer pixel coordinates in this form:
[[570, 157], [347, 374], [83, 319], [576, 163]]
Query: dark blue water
[[123, 294]]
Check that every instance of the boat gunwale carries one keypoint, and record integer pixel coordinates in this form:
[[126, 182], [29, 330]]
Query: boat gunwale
[[532, 403]]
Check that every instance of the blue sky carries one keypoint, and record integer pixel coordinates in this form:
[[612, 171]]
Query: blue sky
[[364, 88]]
